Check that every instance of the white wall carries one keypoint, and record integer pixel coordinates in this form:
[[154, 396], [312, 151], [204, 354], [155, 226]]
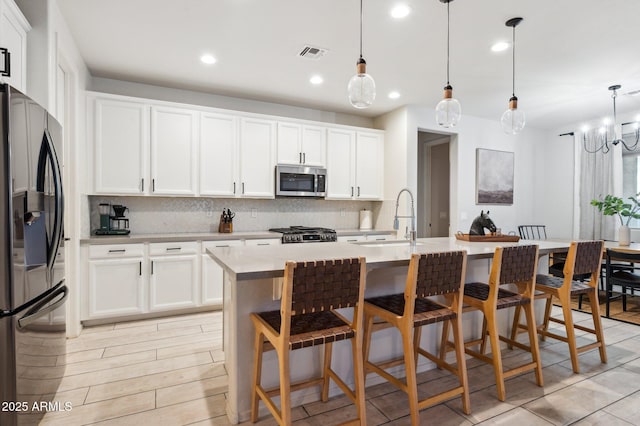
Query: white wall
[[472, 133]]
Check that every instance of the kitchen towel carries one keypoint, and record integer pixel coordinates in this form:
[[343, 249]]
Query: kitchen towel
[[365, 220]]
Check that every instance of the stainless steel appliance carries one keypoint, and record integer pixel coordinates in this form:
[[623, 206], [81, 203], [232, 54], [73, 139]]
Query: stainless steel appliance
[[32, 286], [300, 181], [305, 234]]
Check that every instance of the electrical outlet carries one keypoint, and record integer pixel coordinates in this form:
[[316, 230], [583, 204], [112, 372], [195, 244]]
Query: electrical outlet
[[254, 213]]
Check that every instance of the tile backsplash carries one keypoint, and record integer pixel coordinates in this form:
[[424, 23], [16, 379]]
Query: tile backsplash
[[158, 215]]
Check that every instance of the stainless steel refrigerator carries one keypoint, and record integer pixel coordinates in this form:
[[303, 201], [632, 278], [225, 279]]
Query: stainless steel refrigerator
[[32, 286]]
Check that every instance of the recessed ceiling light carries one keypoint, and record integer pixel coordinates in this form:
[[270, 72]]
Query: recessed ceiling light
[[316, 79], [500, 46], [394, 95], [400, 11], [208, 59]]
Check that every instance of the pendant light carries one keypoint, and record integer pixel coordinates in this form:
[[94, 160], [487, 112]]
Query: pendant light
[[448, 110], [513, 119], [361, 87]]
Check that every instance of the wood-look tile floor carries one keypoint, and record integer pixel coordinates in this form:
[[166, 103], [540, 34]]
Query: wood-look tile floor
[[170, 371]]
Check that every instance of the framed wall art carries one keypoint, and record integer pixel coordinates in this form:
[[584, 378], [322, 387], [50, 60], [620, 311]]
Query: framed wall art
[[494, 177]]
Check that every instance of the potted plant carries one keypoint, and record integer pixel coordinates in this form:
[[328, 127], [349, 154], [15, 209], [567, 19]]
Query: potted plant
[[625, 211]]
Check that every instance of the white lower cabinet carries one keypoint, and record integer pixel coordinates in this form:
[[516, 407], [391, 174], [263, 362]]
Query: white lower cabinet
[[174, 279], [116, 280], [212, 273]]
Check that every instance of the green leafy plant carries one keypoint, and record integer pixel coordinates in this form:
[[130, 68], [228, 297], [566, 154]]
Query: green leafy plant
[[626, 211]]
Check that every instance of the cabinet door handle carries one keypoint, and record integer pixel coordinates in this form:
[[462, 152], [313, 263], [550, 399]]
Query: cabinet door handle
[[152, 267], [352, 191], [300, 157], [117, 251], [6, 71], [174, 248], [142, 185], [262, 244], [223, 245], [234, 187], [243, 188], [358, 191], [140, 272], [304, 158], [153, 185]]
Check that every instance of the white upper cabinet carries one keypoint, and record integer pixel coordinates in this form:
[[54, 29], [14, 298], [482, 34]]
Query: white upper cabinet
[[174, 138], [121, 135], [145, 147], [314, 146], [257, 158], [301, 144], [341, 158], [355, 165], [218, 155], [369, 166], [13, 38]]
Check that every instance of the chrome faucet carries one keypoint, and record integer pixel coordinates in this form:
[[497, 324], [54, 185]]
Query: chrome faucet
[[396, 223]]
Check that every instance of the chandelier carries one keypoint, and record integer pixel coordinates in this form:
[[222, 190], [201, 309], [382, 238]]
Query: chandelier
[[605, 138]]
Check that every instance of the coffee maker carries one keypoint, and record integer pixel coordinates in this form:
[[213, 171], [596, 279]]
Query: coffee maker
[[112, 224]]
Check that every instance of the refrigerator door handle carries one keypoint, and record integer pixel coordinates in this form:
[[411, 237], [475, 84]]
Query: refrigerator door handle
[[47, 150], [45, 306], [36, 300]]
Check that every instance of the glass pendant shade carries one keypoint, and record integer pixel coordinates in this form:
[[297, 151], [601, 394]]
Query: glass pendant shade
[[361, 87], [448, 110], [513, 120]]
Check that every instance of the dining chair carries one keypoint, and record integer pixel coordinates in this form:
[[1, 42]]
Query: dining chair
[[311, 294], [532, 232], [429, 275], [517, 266], [584, 257], [625, 277]]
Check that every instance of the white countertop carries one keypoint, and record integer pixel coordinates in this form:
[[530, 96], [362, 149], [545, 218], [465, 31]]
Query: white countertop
[[207, 236], [254, 262]]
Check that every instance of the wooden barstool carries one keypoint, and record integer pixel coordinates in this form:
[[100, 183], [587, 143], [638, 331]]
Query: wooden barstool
[[431, 274], [311, 293], [583, 258], [511, 265]]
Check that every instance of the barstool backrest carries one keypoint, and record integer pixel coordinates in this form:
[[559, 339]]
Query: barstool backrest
[[324, 285], [518, 264], [439, 273], [588, 257]]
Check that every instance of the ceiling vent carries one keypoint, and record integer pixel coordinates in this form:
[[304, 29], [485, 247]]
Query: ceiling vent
[[312, 52]]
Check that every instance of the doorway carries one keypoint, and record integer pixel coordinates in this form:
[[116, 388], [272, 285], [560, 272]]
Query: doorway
[[433, 215]]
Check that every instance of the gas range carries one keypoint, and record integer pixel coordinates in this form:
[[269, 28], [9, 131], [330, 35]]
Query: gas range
[[305, 234]]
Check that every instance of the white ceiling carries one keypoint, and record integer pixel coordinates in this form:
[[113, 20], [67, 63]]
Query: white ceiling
[[567, 51]]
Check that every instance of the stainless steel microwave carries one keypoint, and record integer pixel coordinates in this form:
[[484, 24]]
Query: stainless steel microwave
[[300, 181]]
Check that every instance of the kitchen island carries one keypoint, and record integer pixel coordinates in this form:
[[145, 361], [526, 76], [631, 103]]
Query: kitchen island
[[253, 277]]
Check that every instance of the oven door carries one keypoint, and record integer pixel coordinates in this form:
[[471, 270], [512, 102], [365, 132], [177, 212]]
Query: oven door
[[296, 181]]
